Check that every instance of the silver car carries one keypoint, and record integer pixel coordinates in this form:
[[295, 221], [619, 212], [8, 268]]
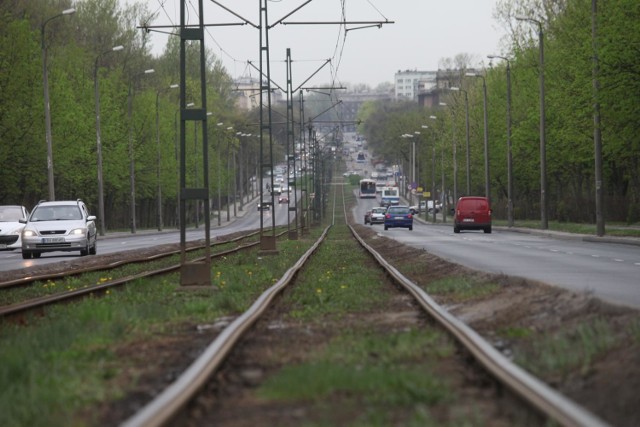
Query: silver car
[[59, 226], [10, 226]]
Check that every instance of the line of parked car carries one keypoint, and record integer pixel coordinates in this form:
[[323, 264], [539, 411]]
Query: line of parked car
[[471, 213], [51, 226]]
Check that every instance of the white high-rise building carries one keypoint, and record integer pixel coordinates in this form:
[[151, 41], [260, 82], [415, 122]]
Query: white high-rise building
[[408, 84]]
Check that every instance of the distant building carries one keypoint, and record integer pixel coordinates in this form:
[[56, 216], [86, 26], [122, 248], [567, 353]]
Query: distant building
[[247, 93], [408, 84], [425, 87]]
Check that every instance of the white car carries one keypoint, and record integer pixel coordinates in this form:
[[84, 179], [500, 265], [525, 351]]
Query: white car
[[59, 226], [10, 226]]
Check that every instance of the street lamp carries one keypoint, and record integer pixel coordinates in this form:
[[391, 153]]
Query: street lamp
[[218, 176], [487, 188], [433, 172], [466, 107], [509, 154], [159, 194], [445, 200], [47, 108], [229, 128], [543, 148], [413, 165], [98, 137], [132, 179]]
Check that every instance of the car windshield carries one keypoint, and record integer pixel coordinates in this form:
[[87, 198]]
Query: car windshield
[[56, 213], [10, 213], [379, 210], [398, 210]]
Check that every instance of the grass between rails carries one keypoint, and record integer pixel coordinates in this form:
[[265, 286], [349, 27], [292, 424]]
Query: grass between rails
[[380, 375], [66, 359]]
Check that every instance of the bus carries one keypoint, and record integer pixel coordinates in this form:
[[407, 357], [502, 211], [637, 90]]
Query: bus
[[390, 196], [367, 189]]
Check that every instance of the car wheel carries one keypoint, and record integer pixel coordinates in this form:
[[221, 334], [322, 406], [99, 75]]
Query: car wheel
[[26, 255], [411, 228], [85, 251], [487, 230], [456, 230], [94, 249], [386, 228]]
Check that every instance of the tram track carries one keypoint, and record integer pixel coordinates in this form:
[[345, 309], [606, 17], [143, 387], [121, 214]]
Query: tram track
[[20, 306], [544, 401]]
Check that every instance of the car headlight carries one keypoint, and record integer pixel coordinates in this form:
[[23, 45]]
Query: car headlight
[[78, 232], [29, 233]]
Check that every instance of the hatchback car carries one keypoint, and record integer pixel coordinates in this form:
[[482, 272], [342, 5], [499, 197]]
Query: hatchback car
[[398, 216], [59, 226], [10, 226], [472, 213], [377, 215]]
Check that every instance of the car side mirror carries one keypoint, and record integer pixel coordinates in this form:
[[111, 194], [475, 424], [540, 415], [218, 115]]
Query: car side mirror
[[22, 221], [91, 218]]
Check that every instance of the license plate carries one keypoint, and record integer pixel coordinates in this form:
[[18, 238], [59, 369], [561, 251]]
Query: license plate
[[467, 220], [53, 240]]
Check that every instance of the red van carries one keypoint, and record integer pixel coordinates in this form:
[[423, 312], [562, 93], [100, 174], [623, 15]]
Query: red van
[[472, 213]]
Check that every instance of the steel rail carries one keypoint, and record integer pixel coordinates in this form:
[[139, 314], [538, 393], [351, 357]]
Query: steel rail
[[547, 400], [30, 279], [171, 400], [40, 302]]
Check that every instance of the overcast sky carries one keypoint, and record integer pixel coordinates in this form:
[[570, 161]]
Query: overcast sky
[[423, 32]]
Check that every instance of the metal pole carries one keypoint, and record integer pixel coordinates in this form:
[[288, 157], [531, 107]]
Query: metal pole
[[543, 147], [487, 185], [509, 152], [98, 148], [132, 179], [597, 132], [466, 104], [159, 189], [96, 89], [47, 107], [218, 176], [132, 185]]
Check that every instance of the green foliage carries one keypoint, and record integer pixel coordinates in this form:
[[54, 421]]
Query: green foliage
[[79, 46]]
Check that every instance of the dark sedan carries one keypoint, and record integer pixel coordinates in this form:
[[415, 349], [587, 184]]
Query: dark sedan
[[398, 216]]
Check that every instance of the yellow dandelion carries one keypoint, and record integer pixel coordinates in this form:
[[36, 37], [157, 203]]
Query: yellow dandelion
[[318, 291]]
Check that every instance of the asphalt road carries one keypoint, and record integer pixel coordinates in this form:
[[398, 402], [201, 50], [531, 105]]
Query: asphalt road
[[609, 270], [247, 219]]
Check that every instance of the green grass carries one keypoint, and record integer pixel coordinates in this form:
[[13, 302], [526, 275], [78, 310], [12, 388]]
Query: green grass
[[570, 350], [341, 279], [613, 229], [461, 288], [380, 370], [62, 362]]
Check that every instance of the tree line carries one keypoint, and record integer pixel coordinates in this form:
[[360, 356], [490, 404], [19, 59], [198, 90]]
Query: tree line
[[139, 112], [569, 52]]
